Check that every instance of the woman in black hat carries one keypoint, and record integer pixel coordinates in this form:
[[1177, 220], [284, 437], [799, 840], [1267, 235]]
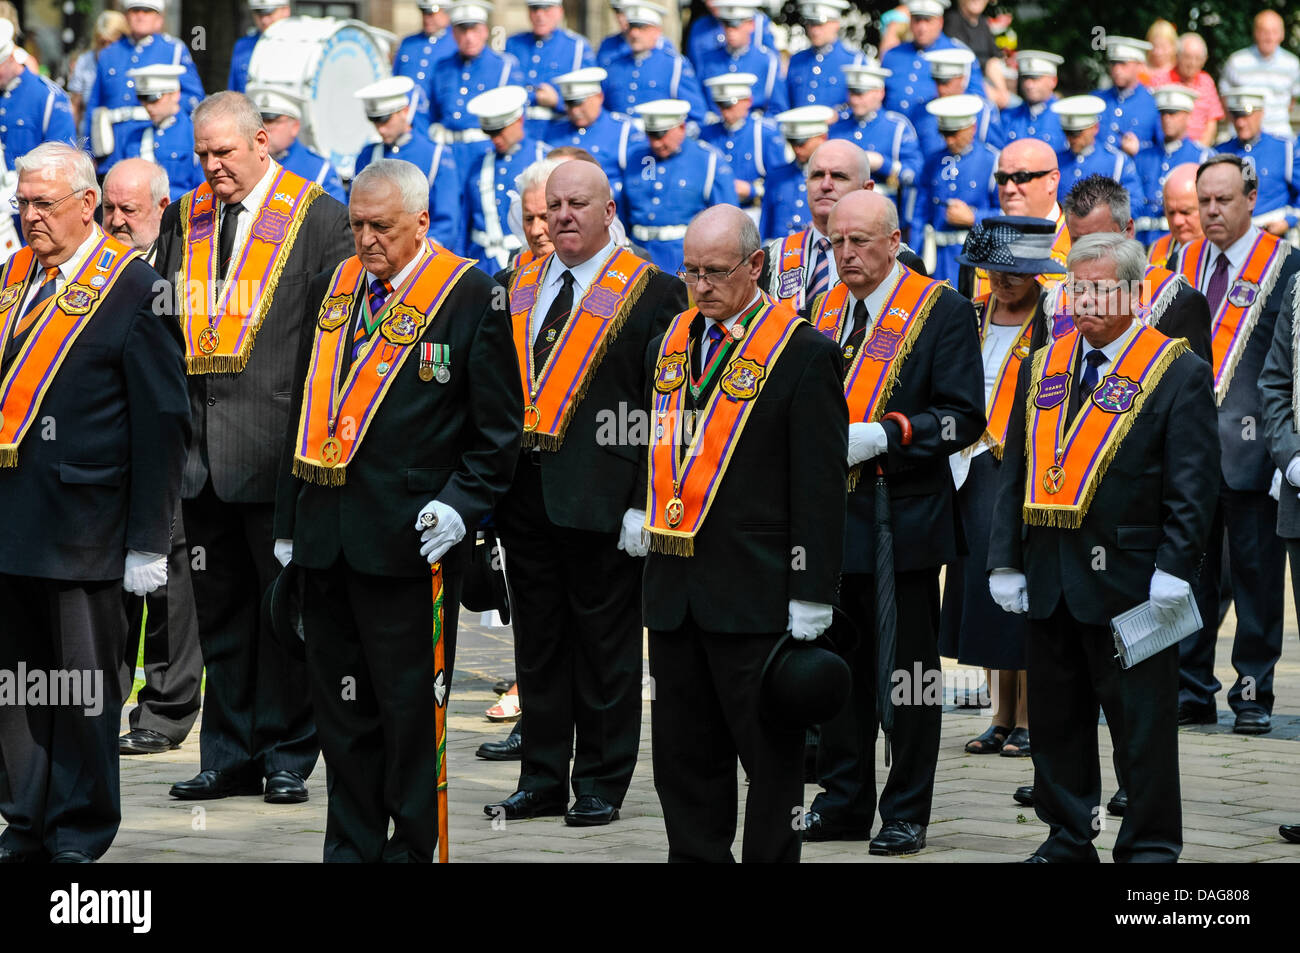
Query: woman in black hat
[[1014, 250]]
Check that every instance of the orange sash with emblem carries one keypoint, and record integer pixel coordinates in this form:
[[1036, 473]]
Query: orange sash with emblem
[[323, 449], [220, 319], [1161, 249], [787, 279], [980, 285], [998, 411], [1231, 326], [682, 485], [1159, 288], [58, 323], [553, 392], [1066, 460]]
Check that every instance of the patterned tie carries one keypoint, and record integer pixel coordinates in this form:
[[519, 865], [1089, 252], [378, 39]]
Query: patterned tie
[[1095, 359], [229, 225], [1218, 285], [379, 292], [821, 276], [715, 334], [45, 291], [557, 316]]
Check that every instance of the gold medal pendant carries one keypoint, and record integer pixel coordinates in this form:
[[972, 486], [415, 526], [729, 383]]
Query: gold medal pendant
[[532, 418], [331, 452], [1054, 479], [674, 510], [208, 340]]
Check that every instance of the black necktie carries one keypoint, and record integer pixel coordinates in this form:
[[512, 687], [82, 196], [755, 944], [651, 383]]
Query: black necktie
[[1095, 359], [857, 330], [557, 316], [229, 225]]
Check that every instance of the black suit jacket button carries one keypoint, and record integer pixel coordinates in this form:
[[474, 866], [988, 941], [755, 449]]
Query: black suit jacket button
[[212, 402]]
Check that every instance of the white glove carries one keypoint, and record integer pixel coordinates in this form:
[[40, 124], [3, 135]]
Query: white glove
[[1010, 590], [1166, 593], [1293, 471], [808, 619], [437, 535], [866, 441], [632, 537], [283, 551], [144, 572], [1275, 487]]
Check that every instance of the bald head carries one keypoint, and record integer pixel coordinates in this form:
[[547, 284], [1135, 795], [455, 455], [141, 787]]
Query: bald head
[[863, 229], [1181, 205], [135, 194], [1036, 196], [722, 241], [579, 210], [1268, 31], [837, 168]]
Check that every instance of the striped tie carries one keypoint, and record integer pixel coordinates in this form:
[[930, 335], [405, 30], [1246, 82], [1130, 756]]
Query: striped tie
[[33, 310], [821, 276], [379, 292]]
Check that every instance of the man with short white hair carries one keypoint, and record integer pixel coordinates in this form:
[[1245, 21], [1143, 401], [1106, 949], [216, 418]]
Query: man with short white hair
[[86, 515], [261, 232], [420, 346], [1137, 481], [135, 196]]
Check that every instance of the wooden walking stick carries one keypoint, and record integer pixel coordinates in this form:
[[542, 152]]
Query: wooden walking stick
[[440, 690]]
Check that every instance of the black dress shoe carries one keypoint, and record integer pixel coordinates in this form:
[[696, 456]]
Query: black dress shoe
[[1253, 723], [523, 804], [1118, 804], [1191, 713], [898, 837], [71, 857], [209, 785], [816, 828], [1035, 859], [1024, 795], [1290, 832], [10, 856], [284, 787], [512, 749], [590, 811], [144, 741]]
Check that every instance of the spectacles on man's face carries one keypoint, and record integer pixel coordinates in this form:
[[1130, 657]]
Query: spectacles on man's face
[[713, 277], [1020, 178], [41, 207]]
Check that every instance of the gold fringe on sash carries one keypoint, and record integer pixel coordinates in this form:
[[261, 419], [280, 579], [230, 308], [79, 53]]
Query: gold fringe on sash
[[672, 545], [547, 441], [1161, 304], [321, 476], [1250, 319], [235, 363], [1073, 518], [9, 457]]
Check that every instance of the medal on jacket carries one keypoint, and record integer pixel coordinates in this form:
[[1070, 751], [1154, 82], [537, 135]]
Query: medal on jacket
[[532, 416], [426, 362], [674, 508], [331, 451], [1054, 477]]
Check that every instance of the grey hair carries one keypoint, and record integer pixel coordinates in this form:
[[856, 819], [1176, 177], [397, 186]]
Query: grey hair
[[1129, 258], [1249, 174], [73, 161], [748, 237], [535, 176], [159, 186], [410, 181], [1188, 40], [230, 105], [1096, 190]]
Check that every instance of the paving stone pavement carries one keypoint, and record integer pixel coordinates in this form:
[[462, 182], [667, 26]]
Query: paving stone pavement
[[1236, 790]]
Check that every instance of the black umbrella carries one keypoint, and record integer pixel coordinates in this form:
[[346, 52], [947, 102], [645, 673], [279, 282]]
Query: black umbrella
[[886, 607]]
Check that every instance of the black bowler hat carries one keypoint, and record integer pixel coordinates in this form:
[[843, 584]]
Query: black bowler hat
[[805, 683], [1015, 243], [282, 611], [483, 587]]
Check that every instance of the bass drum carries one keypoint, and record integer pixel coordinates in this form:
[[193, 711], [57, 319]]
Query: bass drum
[[321, 62]]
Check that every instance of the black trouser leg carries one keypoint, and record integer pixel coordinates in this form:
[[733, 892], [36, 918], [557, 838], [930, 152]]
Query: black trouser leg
[[1257, 561], [1197, 682]]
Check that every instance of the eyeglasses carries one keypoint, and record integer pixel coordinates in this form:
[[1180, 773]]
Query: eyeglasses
[[1020, 178], [41, 207], [712, 277]]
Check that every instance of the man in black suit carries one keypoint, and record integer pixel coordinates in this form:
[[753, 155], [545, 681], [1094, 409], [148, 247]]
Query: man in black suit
[[1075, 542], [572, 521], [801, 266], [1243, 271], [87, 508], [1172, 305], [420, 431], [135, 196], [263, 232], [746, 529], [935, 360]]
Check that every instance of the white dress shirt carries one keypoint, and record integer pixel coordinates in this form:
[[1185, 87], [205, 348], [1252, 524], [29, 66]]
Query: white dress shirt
[[252, 203], [67, 270], [727, 325], [584, 274], [812, 258], [1111, 350], [1236, 253], [874, 301]]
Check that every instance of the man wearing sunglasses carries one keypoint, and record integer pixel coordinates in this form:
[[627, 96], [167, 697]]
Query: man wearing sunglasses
[[670, 179], [169, 138]]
